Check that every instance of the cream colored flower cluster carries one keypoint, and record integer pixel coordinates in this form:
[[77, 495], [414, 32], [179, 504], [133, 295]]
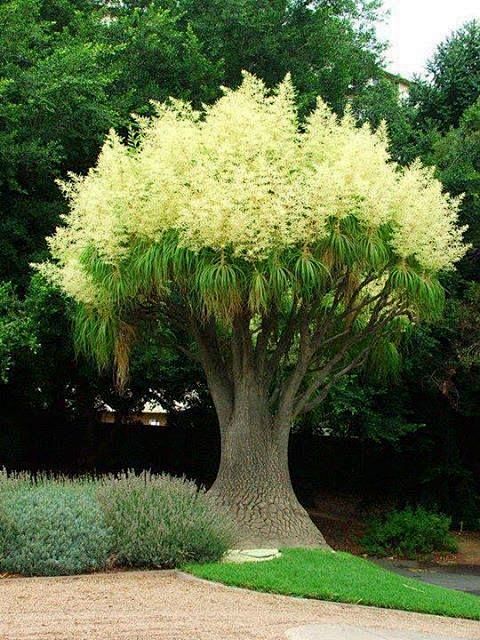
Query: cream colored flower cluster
[[243, 177]]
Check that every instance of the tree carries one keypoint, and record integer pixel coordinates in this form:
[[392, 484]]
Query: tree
[[54, 114], [67, 75], [17, 334], [380, 102], [290, 258], [454, 82], [157, 56], [440, 373], [330, 48], [457, 158]]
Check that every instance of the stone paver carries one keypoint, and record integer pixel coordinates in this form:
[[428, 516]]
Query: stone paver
[[251, 555]]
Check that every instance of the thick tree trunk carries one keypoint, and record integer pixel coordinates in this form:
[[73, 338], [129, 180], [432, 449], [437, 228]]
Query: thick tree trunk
[[253, 481]]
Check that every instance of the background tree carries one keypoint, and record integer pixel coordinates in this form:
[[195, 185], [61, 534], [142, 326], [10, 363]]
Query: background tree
[[330, 48], [438, 386], [17, 333], [289, 258], [54, 113], [453, 83], [456, 155], [379, 102], [64, 70]]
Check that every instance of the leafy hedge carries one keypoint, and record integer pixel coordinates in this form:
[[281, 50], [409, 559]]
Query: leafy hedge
[[52, 530], [57, 526], [159, 521], [409, 533]]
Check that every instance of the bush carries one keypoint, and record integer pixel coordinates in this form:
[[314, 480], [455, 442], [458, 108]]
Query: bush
[[409, 533], [159, 521], [52, 528], [58, 526]]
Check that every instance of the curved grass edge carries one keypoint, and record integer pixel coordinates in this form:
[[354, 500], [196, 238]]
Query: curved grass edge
[[340, 577]]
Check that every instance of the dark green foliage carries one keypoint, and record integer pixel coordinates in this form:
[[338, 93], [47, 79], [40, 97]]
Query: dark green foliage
[[455, 84], [457, 158], [51, 529], [366, 409], [329, 48], [157, 55], [54, 112], [17, 331], [464, 315], [439, 384], [410, 533], [158, 521], [379, 102]]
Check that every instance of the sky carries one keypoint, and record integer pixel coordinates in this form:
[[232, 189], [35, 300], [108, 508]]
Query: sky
[[415, 28]]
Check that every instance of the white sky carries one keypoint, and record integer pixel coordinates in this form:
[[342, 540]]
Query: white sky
[[415, 27]]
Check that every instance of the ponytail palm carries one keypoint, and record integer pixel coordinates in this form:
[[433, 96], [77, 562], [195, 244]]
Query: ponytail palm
[[289, 256]]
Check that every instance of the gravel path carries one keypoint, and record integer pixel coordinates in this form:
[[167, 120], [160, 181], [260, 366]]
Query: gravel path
[[163, 605]]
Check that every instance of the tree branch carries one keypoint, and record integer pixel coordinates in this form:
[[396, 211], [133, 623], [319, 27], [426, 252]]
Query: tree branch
[[219, 379]]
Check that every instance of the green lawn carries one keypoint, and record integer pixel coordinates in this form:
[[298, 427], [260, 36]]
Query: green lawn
[[343, 578]]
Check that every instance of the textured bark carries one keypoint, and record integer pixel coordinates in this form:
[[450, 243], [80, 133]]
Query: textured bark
[[253, 482], [264, 372]]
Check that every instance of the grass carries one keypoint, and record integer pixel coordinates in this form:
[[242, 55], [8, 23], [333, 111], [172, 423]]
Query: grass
[[340, 577]]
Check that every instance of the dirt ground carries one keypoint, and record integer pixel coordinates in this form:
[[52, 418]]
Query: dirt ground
[[468, 548], [164, 605], [342, 520]]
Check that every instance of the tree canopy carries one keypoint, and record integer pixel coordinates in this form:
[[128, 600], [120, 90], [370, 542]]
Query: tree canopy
[[454, 83], [236, 207]]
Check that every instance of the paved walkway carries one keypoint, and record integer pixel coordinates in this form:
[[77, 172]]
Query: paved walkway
[[162, 605], [461, 578]]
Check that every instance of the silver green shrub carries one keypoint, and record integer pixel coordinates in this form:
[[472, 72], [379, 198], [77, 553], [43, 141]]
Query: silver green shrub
[[51, 528], [160, 521]]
